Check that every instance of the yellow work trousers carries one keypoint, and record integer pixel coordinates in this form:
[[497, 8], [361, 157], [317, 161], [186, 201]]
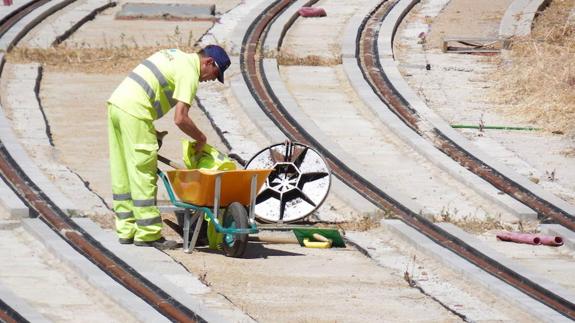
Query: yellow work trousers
[[133, 164]]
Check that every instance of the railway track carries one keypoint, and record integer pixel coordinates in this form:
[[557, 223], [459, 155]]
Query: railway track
[[42, 206], [9, 315], [251, 60], [256, 80], [369, 62], [86, 245]]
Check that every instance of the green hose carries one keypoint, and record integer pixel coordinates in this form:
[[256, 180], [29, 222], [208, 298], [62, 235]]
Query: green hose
[[464, 126]]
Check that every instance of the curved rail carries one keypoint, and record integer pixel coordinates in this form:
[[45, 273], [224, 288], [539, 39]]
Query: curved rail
[[14, 16], [9, 315], [251, 65], [369, 62], [58, 221]]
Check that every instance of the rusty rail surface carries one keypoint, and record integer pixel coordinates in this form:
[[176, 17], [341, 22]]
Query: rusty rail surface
[[252, 71], [368, 60], [13, 17], [58, 221], [85, 244], [9, 315]]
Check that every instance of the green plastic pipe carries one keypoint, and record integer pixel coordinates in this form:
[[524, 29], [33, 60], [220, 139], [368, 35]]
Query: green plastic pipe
[[465, 126]]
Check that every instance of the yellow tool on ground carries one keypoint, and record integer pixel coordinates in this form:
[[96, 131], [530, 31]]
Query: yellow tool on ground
[[321, 242]]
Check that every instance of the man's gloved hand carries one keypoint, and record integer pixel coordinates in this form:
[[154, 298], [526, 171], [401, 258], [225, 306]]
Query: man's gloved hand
[[199, 145]]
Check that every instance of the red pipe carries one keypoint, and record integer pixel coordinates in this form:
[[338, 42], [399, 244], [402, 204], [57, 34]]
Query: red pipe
[[554, 241], [531, 238], [312, 12], [528, 238]]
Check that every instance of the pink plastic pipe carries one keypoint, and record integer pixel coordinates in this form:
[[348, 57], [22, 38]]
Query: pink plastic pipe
[[531, 238], [528, 238], [553, 241], [312, 12]]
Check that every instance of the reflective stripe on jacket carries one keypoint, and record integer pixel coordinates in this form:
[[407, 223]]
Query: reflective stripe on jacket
[[157, 83]]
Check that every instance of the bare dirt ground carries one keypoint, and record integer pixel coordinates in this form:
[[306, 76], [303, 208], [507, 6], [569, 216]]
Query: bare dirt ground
[[287, 283]]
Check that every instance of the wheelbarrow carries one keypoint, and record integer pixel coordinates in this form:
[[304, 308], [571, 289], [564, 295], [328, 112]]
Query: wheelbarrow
[[299, 183], [202, 193]]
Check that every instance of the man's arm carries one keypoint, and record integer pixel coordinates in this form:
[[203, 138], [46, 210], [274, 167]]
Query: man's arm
[[185, 123]]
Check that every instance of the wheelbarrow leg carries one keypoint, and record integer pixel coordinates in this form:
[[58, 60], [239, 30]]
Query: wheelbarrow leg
[[186, 230], [189, 219], [199, 220]]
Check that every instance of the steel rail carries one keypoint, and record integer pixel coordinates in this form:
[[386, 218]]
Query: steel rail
[[85, 244], [9, 315], [13, 17], [252, 71], [368, 60], [80, 240]]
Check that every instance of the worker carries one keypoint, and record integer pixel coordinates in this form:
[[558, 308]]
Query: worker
[[169, 78]]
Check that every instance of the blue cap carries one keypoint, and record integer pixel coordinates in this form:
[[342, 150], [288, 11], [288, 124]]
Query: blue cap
[[220, 57]]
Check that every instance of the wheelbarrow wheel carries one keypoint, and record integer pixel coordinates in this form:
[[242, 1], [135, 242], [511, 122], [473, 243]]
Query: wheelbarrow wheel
[[235, 216]]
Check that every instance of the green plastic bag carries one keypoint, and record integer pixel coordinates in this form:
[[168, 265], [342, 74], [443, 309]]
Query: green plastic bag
[[210, 158]]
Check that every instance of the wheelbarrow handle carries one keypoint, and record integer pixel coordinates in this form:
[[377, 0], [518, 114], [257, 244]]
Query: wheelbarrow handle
[[170, 163]]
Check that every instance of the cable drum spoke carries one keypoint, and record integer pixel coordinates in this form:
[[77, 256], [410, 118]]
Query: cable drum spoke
[[297, 186]]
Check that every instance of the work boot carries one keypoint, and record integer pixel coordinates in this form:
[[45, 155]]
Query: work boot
[[161, 244], [126, 240]]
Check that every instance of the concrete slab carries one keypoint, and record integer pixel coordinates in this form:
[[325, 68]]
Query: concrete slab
[[47, 283], [168, 275], [12, 203], [31, 126], [14, 34], [6, 11], [385, 39], [169, 11], [58, 27], [21, 306], [558, 230], [91, 272], [470, 271], [23, 160], [519, 17], [436, 280], [444, 64], [527, 269], [276, 83]]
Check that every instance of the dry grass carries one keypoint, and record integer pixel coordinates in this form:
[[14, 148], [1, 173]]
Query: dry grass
[[475, 225], [538, 84], [490, 223], [87, 60], [309, 60], [367, 221], [121, 57]]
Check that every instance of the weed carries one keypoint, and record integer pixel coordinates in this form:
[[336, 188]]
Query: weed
[[408, 274], [203, 276], [80, 57], [367, 221], [284, 58], [551, 175]]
